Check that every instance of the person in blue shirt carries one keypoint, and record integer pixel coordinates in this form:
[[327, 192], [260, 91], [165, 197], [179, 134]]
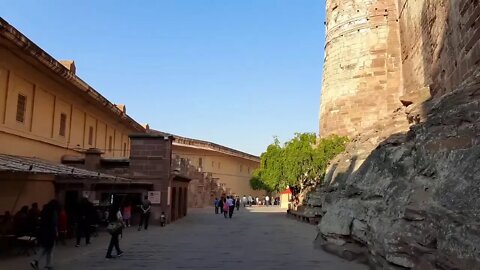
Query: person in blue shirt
[[216, 203]]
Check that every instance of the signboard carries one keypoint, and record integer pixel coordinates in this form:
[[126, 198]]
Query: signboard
[[154, 197]]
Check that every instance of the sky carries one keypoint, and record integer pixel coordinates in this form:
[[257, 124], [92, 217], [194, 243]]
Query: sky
[[236, 73]]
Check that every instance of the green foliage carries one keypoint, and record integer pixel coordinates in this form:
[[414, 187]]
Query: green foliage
[[302, 161], [257, 184]]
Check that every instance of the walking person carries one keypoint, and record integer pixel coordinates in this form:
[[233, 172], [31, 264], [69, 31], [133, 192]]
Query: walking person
[[231, 206], [237, 203], [244, 200], [225, 207], [145, 215], [115, 228], [48, 232], [250, 200], [85, 214], [220, 204], [267, 200], [216, 204]]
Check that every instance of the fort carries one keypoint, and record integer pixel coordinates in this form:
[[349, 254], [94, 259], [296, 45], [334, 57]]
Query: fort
[[402, 80], [362, 71], [381, 55]]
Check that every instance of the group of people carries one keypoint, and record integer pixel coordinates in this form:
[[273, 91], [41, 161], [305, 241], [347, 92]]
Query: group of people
[[51, 222], [26, 221], [266, 200], [44, 225], [226, 205]]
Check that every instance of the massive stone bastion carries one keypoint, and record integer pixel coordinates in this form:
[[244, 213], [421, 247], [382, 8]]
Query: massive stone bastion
[[406, 193]]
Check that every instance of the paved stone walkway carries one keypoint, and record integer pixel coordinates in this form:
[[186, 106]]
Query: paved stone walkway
[[259, 238]]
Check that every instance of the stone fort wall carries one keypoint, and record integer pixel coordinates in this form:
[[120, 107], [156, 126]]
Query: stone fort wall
[[440, 42], [362, 71], [382, 53]]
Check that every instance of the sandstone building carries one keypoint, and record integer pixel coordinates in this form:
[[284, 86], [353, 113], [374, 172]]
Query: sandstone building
[[60, 138], [230, 169], [47, 112]]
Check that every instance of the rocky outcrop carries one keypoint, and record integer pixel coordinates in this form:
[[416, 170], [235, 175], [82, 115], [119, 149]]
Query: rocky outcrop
[[414, 201]]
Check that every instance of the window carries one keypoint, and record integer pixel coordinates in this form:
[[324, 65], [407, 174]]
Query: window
[[200, 161], [124, 149], [21, 108], [110, 143], [63, 124], [90, 136]]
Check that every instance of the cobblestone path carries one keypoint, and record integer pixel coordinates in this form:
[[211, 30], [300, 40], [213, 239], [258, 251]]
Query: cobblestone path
[[259, 238]]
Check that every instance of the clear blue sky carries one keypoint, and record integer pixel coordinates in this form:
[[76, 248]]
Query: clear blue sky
[[232, 72]]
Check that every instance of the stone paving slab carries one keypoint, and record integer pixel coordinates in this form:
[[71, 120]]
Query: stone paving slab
[[257, 238]]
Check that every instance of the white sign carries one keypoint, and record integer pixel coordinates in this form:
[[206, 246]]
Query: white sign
[[154, 197]]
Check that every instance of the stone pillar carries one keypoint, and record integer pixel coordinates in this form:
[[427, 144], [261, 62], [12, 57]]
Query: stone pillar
[[362, 69], [93, 157], [150, 160]]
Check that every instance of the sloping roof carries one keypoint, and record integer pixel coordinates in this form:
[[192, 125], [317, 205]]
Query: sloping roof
[[9, 163], [31, 51], [205, 145]]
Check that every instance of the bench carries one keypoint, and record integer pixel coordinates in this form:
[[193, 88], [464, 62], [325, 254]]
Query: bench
[[26, 244], [309, 218]]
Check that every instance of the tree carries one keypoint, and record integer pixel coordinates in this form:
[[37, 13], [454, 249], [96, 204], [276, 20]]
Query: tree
[[257, 184], [271, 167], [301, 162]]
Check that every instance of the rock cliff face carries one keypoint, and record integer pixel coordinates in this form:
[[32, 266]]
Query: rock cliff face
[[414, 201], [406, 194]]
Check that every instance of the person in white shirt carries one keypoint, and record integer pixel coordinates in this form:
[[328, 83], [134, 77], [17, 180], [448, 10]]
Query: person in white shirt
[[267, 200], [244, 201], [231, 206], [117, 224]]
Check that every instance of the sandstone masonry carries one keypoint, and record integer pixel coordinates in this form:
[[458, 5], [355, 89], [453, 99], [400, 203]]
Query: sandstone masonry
[[380, 54], [404, 195], [362, 72]]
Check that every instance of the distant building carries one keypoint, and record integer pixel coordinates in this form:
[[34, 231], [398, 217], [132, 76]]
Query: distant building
[[231, 169], [60, 138]]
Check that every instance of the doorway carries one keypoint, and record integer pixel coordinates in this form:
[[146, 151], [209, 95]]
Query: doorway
[[174, 204]]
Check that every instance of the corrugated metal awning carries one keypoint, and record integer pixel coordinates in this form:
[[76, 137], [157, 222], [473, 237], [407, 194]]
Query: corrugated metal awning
[[33, 165]]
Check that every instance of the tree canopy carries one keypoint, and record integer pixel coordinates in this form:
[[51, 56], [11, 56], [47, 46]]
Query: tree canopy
[[302, 162]]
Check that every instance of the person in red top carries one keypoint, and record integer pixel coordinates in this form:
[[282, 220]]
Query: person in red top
[[62, 225], [127, 214]]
